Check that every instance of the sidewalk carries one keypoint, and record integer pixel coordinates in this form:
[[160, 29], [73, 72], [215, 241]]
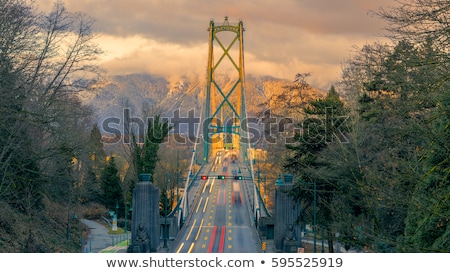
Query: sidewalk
[[99, 240]]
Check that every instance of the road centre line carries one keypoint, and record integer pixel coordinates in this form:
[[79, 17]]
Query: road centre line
[[190, 231], [199, 229]]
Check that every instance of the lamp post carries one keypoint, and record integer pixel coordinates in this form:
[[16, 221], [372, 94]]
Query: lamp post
[[300, 222], [115, 217], [165, 217], [323, 239], [264, 189], [126, 220], [315, 218], [279, 182], [117, 209], [259, 180], [314, 214], [74, 216]]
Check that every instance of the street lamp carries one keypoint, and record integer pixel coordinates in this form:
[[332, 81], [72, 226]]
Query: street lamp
[[117, 209], [314, 213], [74, 216], [279, 182], [165, 217], [264, 198], [315, 217], [126, 220]]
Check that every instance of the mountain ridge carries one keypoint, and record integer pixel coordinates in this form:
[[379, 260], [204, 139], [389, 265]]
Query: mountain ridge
[[146, 94]]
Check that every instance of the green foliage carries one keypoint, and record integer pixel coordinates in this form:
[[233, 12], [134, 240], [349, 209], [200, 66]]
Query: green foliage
[[391, 171], [111, 188], [144, 157], [157, 131], [427, 223], [391, 178], [95, 148], [324, 125], [165, 203], [94, 165]]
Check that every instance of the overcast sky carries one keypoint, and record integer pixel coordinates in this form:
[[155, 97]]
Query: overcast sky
[[281, 38]]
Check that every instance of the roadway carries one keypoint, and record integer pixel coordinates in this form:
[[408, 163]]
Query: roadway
[[220, 220]]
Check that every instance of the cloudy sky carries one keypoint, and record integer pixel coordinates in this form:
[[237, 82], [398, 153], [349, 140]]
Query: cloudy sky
[[281, 38]]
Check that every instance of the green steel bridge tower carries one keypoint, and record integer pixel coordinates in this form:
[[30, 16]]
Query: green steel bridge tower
[[225, 124]]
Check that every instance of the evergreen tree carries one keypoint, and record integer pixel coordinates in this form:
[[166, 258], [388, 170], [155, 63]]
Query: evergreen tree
[[96, 151], [157, 131], [424, 166], [94, 165], [428, 219], [144, 157], [111, 188], [324, 124], [392, 179]]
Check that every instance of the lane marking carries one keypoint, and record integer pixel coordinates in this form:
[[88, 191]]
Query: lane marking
[[212, 184], [190, 231], [190, 249], [204, 186], [206, 203], [199, 229], [199, 203], [179, 249]]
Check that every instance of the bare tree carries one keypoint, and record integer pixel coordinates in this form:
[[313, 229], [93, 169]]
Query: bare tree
[[418, 20], [45, 60]]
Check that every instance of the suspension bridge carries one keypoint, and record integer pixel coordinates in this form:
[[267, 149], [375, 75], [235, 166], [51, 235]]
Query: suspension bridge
[[221, 206]]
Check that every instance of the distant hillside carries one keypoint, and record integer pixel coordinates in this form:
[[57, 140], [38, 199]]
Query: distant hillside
[[144, 91]]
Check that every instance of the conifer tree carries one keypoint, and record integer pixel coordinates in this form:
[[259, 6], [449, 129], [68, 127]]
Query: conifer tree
[[110, 185], [94, 165], [157, 131], [324, 124]]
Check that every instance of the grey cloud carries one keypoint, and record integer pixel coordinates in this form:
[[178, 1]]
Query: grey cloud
[[187, 21], [298, 34]]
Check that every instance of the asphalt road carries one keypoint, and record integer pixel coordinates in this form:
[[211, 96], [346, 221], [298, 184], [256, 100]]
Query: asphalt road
[[220, 222]]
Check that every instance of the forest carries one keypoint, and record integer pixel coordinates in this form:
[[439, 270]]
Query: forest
[[380, 161]]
